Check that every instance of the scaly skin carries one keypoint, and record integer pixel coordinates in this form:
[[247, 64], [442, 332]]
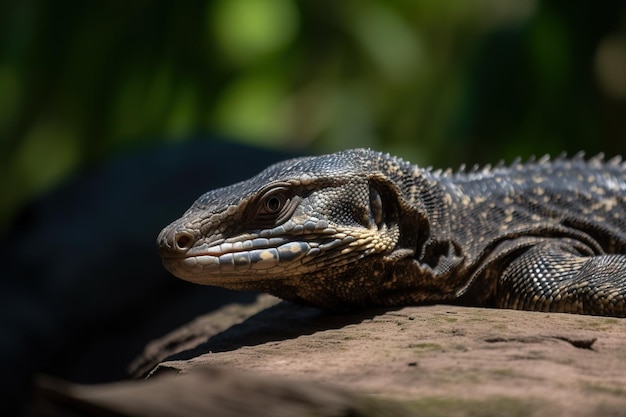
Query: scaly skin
[[360, 228]]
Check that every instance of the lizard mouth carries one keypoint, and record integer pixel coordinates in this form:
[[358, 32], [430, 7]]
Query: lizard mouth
[[250, 260]]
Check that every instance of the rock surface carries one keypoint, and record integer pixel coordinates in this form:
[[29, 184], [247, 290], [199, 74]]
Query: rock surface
[[435, 360], [207, 391]]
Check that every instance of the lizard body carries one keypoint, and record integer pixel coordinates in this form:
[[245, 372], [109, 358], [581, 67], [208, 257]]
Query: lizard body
[[361, 228]]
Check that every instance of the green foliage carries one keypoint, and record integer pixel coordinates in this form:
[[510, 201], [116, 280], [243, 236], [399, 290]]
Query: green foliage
[[438, 82]]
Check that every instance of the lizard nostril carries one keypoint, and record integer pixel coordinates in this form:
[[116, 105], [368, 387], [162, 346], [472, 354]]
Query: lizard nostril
[[173, 242], [183, 241]]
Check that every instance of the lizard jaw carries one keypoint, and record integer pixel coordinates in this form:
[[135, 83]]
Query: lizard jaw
[[217, 264], [278, 258]]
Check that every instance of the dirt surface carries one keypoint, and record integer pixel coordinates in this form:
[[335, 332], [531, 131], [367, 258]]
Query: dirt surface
[[431, 361], [441, 360]]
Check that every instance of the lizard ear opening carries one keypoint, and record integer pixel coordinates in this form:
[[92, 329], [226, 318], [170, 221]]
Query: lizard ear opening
[[376, 207]]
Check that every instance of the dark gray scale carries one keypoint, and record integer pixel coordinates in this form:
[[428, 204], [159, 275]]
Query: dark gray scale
[[540, 236]]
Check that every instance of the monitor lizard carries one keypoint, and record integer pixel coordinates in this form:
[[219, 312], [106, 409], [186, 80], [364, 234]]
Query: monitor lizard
[[361, 228]]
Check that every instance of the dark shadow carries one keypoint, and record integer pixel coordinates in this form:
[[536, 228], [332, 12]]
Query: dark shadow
[[280, 322]]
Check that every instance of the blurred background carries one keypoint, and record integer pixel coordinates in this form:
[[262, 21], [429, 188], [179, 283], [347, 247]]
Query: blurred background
[[437, 82]]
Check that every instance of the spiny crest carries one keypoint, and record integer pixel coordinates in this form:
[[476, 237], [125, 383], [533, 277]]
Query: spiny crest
[[597, 160], [518, 164], [359, 157], [616, 161], [396, 159]]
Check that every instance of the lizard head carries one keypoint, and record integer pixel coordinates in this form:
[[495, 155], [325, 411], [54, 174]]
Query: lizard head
[[298, 229]]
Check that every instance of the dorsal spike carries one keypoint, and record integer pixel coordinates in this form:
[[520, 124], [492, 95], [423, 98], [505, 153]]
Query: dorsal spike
[[475, 168], [544, 159], [461, 168], [597, 159], [562, 157], [579, 156], [500, 164], [615, 161], [486, 169], [448, 172]]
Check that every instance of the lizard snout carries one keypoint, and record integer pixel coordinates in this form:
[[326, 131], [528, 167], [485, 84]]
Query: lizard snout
[[174, 242]]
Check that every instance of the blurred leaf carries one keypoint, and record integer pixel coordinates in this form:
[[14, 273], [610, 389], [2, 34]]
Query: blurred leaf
[[47, 153], [394, 46], [249, 108], [550, 51], [11, 96], [246, 30]]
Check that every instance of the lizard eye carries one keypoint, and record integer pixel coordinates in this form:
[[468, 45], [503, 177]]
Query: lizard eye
[[272, 207], [274, 202]]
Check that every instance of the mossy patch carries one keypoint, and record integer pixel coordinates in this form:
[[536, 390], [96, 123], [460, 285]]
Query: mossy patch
[[493, 406], [616, 390], [425, 347]]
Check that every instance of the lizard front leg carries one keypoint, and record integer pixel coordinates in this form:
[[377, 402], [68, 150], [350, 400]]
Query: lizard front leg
[[557, 277]]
